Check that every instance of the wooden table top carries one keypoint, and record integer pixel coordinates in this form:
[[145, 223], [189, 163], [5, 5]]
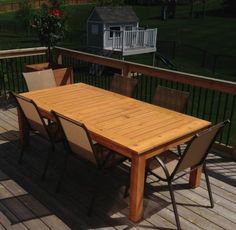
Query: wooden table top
[[121, 123]]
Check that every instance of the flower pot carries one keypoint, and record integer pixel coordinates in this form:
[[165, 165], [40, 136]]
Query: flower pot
[[63, 75]]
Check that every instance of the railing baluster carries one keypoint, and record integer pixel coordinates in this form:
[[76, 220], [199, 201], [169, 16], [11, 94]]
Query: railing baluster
[[232, 118]]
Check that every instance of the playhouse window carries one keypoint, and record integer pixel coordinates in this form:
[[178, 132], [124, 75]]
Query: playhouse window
[[113, 29]]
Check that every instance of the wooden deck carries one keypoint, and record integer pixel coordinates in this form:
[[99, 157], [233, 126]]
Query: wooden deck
[[28, 203]]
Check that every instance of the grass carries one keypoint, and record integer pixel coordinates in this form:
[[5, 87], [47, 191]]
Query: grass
[[214, 33]]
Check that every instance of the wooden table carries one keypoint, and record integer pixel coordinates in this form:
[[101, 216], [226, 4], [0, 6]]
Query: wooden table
[[136, 129]]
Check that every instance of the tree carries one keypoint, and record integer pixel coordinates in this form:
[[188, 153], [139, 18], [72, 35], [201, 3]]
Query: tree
[[24, 14]]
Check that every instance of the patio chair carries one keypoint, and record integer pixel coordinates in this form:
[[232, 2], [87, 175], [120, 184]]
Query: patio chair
[[80, 144], [40, 79], [36, 124], [168, 166], [123, 85], [171, 99]]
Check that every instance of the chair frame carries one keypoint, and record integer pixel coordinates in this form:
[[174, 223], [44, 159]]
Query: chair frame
[[170, 90], [131, 81], [101, 167], [202, 163], [50, 77], [50, 138]]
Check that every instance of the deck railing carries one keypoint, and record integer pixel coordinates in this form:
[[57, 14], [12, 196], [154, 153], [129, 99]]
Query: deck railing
[[131, 39], [211, 99]]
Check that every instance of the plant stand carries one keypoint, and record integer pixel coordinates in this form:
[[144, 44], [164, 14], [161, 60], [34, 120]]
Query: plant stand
[[63, 75]]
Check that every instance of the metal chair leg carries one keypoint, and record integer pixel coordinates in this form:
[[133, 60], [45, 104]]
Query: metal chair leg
[[208, 187], [179, 150], [174, 206]]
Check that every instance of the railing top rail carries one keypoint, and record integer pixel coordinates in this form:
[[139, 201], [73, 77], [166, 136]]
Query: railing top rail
[[128, 67], [13, 53]]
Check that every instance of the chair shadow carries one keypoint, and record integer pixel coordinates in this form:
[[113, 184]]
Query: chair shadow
[[228, 169]]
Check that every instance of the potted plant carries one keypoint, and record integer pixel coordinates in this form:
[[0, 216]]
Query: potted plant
[[49, 24]]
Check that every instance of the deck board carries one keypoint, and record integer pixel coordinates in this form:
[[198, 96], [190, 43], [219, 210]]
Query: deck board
[[28, 203]]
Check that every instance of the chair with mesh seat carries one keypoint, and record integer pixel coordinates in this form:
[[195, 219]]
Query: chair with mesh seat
[[36, 124], [169, 166], [80, 144], [123, 85], [170, 98], [40, 79]]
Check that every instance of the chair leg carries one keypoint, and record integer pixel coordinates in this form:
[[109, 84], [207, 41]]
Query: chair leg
[[174, 205], [208, 187], [179, 150], [50, 151]]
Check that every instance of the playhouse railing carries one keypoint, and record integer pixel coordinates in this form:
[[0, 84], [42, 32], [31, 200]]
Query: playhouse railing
[[130, 39], [139, 38]]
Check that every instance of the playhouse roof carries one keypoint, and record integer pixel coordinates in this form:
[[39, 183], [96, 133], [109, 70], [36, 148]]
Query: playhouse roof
[[118, 14]]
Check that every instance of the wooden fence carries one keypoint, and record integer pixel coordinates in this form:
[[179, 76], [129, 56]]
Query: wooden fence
[[211, 99], [14, 6]]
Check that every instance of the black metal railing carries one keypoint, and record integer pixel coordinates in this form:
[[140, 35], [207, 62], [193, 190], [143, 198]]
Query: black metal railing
[[207, 104], [210, 104]]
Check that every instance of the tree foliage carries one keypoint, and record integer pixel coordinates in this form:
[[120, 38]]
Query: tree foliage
[[24, 14]]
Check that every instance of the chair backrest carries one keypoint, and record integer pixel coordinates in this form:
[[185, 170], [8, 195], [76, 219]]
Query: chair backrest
[[198, 148], [32, 114], [77, 136], [170, 98], [40, 79], [123, 85]]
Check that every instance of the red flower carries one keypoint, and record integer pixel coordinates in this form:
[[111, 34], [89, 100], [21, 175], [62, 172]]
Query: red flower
[[55, 12], [62, 14], [49, 11]]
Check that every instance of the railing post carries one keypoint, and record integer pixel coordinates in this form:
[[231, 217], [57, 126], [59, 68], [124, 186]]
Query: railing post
[[234, 149], [126, 71], [58, 57]]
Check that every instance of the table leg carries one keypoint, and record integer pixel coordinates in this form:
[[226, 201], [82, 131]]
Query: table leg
[[23, 129], [137, 188], [195, 177]]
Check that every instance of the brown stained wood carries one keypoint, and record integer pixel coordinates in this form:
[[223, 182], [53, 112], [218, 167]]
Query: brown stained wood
[[18, 209], [137, 188], [54, 223], [36, 224], [4, 193], [13, 187], [8, 225], [162, 217], [195, 177], [128, 67], [34, 205], [234, 150], [133, 135]]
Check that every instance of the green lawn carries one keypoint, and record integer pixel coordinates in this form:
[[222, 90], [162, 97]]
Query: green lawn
[[214, 33]]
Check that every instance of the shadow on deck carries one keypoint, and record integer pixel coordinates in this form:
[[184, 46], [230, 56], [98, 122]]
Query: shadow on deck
[[26, 202]]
